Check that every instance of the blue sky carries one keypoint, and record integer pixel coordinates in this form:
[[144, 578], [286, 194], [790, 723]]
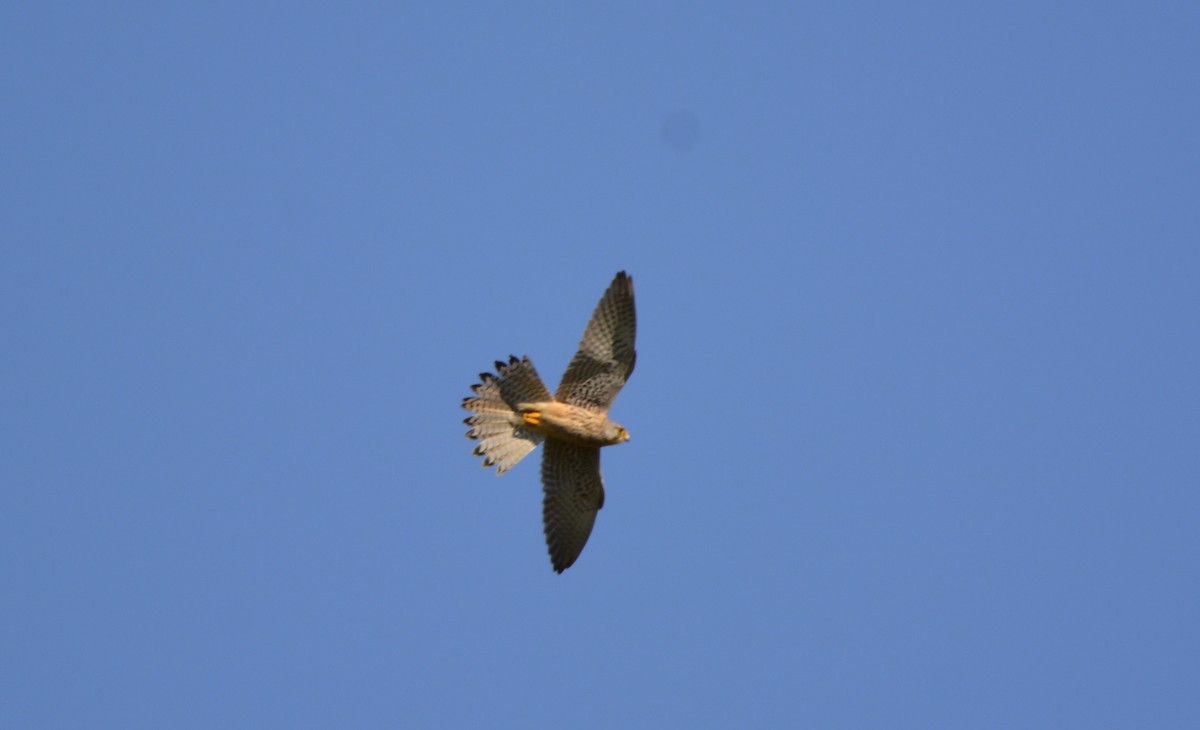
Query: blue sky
[[915, 417]]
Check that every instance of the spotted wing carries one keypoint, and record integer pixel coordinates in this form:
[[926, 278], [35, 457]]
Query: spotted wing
[[573, 492], [606, 354]]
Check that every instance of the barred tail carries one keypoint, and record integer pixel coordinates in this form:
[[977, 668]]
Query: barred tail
[[495, 424]]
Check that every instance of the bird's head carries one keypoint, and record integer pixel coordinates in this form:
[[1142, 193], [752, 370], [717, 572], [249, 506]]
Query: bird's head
[[615, 433]]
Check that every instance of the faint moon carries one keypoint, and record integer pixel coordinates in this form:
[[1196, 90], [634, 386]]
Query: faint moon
[[679, 130]]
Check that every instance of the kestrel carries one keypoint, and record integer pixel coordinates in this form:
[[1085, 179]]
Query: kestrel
[[513, 412]]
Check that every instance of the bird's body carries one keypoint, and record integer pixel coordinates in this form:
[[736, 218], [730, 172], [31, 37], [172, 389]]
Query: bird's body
[[571, 423], [513, 412]]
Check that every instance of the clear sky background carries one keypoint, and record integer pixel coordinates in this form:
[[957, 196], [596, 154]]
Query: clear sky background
[[915, 419]]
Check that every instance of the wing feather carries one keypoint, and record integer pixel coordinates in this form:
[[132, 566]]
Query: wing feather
[[606, 354], [573, 492]]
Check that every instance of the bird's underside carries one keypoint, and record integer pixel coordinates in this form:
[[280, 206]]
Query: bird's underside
[[512, 412]]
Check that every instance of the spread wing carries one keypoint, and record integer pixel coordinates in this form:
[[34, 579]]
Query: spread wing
[[606, 355], [573, 492]]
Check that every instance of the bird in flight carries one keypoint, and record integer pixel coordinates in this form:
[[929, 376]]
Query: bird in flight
[[512, 412]]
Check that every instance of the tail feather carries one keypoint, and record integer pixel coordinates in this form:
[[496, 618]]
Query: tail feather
[[494, 422]]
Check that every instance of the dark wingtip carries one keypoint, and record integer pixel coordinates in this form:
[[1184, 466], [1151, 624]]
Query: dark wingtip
[[622, 279]]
